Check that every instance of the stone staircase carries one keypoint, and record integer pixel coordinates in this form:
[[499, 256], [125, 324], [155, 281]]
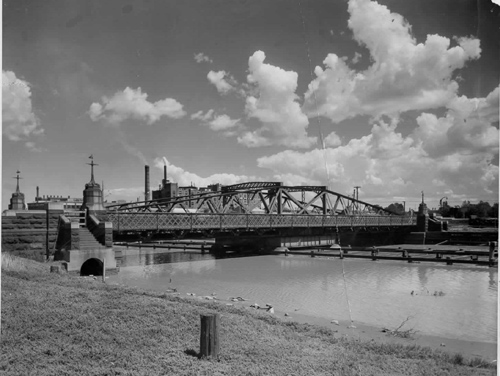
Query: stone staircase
[[87, 240], [76, 216]]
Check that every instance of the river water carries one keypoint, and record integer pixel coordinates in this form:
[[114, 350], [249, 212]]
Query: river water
[[449, 301]]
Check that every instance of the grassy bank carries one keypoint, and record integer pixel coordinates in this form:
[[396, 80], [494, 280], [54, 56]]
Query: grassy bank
[[56, 324]]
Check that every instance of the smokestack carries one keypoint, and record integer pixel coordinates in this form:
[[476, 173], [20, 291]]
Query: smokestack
[[37, 193], [146, 183], [165, 173]]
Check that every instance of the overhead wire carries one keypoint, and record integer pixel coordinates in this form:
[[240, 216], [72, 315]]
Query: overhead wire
[[322, 140], [304, 28]]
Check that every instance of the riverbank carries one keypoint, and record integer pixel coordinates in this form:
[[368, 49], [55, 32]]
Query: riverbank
[[63, 324], [369, 333]]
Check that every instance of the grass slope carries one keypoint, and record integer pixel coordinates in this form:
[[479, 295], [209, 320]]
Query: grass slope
[[56, 324]]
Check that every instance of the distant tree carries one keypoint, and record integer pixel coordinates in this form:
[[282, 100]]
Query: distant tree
[[493, 212], [396, 208]]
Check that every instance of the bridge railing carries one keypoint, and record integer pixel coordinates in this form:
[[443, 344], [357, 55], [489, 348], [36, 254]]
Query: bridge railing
[[195, 221]]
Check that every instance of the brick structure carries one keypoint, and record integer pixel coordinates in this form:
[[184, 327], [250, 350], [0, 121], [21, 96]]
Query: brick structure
[[17, 199], [26, 232]]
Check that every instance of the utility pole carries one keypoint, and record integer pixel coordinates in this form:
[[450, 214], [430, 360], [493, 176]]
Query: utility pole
[[357, 192]]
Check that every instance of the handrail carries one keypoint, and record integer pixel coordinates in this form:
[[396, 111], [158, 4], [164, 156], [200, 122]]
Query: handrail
[[189, 221]]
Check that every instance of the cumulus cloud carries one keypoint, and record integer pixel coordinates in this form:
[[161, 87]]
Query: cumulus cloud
[[332, 140], [217, 123], [133, 104], [452, 153], [275, 105], [203, 116], [405, 75], [185, 178], [223, 122], [356, 58], [466, 128], [201, 58], [223, 81], [18, 119]]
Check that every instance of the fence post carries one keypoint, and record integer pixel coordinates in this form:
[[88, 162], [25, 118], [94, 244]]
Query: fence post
[[104, 270], [209, 335], [492, 253]]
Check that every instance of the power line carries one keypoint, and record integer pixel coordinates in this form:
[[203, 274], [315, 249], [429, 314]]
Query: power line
[[304, 29]]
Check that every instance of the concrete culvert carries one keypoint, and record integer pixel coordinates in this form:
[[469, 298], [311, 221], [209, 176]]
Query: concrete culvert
[[92, 266]]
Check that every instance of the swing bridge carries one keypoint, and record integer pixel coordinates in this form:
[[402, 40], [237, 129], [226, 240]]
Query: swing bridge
[[254, 206]]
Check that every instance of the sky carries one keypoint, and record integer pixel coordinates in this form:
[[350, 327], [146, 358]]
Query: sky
[[396, 97]]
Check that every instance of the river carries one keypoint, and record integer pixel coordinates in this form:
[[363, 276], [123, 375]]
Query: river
[[458, 302]]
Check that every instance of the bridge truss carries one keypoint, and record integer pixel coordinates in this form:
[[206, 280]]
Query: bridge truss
[[258, 198]]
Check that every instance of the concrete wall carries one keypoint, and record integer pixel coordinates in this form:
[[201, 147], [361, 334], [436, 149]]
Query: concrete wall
[[68, 236], [102, 231], [24, 232], [75, 258]]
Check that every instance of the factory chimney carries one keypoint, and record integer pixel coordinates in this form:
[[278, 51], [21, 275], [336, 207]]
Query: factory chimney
[[165, 172], [146, 183], [37, 193]]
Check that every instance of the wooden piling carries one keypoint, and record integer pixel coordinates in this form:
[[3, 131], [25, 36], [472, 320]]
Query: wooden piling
[[448, 261], [209, 335], [103, 271], [54, 269], [492, 252]]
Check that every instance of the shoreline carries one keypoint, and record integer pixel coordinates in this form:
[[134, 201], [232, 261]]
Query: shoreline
[[367, 333]]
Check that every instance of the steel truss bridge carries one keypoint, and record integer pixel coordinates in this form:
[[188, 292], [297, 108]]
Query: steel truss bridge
[[254, 205]]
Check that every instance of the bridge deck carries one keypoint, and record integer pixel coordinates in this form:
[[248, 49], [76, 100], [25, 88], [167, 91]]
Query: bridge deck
[[123, 221]]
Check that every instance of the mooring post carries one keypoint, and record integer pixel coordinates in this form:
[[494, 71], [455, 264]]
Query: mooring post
[[341, 254], [103, 270], [449, 261], [54, 269], [209, 335], [492, 252]]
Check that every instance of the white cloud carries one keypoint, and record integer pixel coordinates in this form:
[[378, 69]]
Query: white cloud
[[133, 104], [201, 57], [222, 81], [356, 58], [229, 127], [223, 122], [18, 120], [451, 152], [405, 75], [332, 140], [32, 147], [275, 106], [203, 117], [466, 128], [185, 178]]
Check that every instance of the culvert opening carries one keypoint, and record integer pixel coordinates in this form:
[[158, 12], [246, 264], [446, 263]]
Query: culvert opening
[[92, 266]]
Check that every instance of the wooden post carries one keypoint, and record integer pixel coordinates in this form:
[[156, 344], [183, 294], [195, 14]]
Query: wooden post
[[492, 252], [103, 270], [54, 269], [209, 335], [47, 251]]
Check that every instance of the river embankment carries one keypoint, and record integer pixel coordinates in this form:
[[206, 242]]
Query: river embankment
[[64, 324]]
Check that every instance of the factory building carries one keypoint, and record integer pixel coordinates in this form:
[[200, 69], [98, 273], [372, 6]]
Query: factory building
[[166, 190], [54, 202]]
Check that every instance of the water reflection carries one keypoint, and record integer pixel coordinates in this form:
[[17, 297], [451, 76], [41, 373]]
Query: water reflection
[[379, 293]]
